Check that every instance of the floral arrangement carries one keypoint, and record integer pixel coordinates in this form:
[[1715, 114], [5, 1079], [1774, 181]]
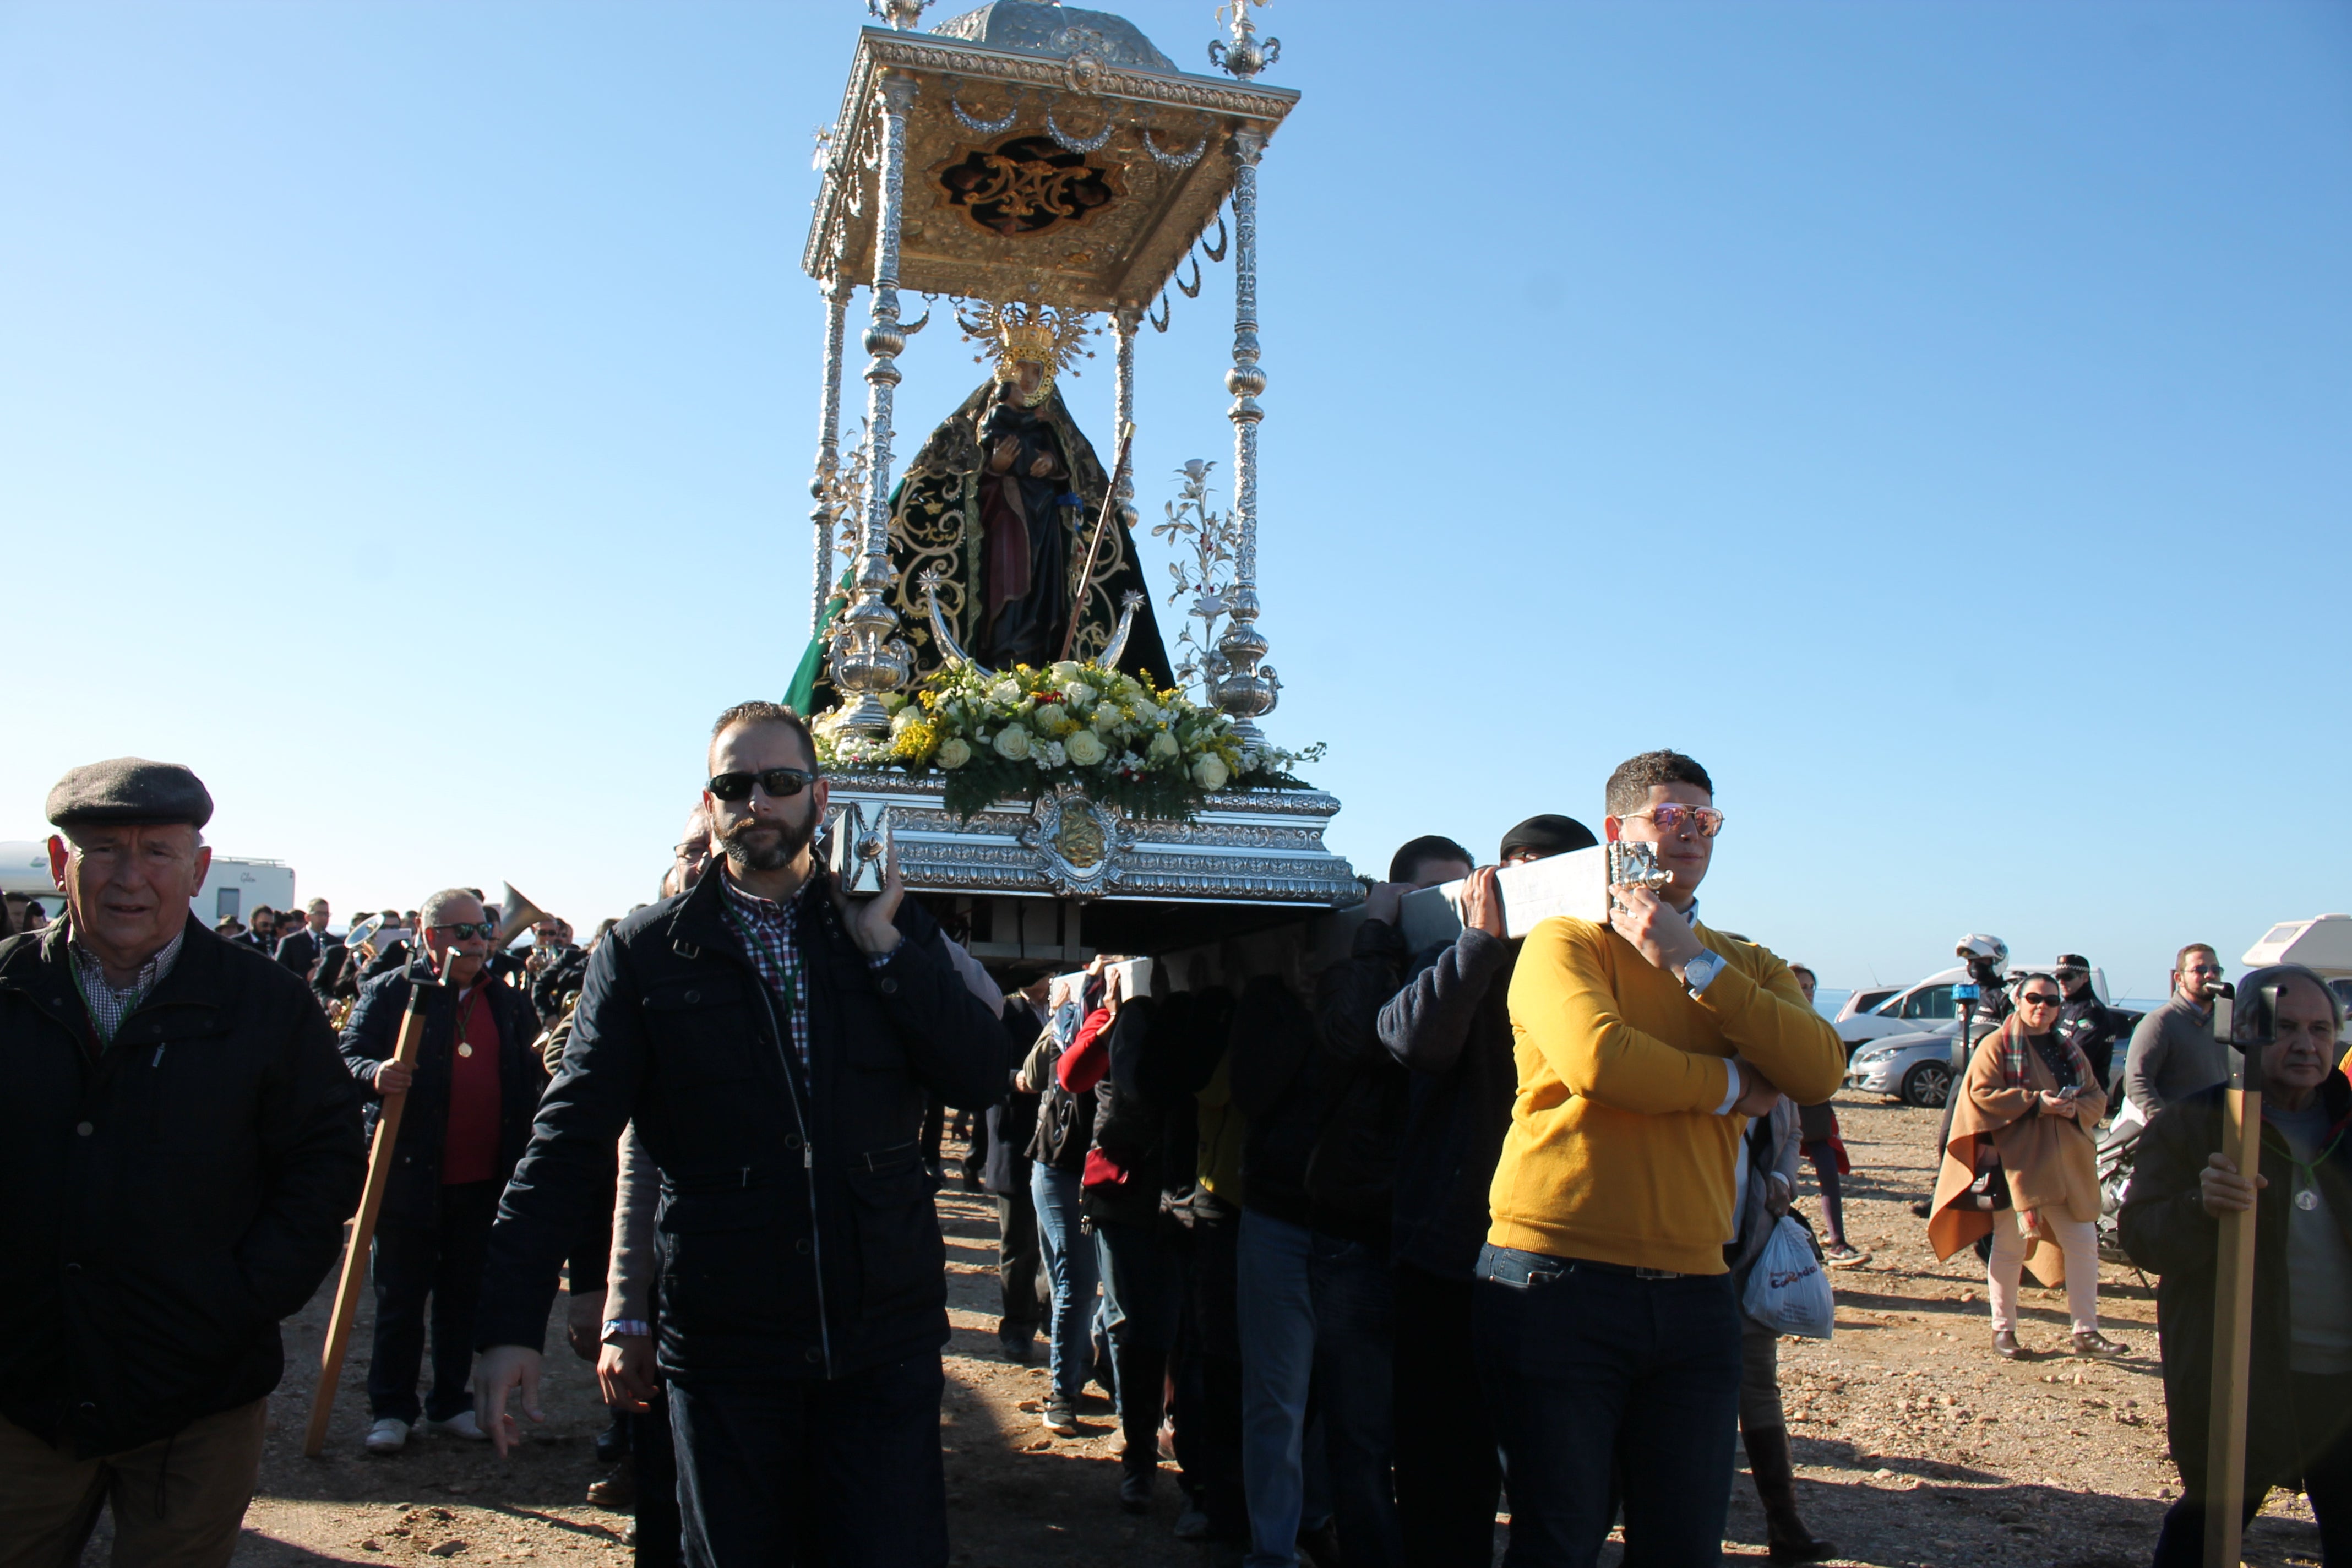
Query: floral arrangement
[[1148, 753]]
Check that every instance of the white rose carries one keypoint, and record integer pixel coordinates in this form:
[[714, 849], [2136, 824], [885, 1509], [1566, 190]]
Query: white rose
[[1163, 747], [1051, 718], [1147, 711], [1078, 696], [904, 717], [1067, 670], [1106, 720], [1209, 772], [1012, 742], [952, 753], [1006, 690], [1086, 749]]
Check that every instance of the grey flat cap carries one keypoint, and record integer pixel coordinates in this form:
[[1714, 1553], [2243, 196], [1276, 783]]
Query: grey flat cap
[[129, 789]]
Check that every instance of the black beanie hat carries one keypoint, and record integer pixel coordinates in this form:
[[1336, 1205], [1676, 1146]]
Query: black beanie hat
[[1547, 834]]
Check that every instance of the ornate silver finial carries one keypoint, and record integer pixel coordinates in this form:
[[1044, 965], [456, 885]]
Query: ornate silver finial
[[900, 13], [1245, 57]]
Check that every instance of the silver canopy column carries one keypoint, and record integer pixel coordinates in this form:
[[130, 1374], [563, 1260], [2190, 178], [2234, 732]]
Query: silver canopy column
[[1245, 691], [1123, 324], [868, 661], [836, 293]]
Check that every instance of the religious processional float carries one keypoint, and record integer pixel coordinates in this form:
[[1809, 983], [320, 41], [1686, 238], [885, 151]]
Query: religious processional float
[[994, 699]]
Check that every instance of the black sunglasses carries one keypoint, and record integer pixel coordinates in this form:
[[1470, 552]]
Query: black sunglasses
[[2039, 999], [487, 930], [782, 784]]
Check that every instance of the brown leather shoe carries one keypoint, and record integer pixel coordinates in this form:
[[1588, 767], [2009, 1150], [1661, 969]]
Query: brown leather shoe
[[2093, 1342], [2005, 1345]]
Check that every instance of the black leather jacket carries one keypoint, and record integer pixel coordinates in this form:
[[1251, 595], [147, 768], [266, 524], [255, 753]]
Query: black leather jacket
[[796, 1230]]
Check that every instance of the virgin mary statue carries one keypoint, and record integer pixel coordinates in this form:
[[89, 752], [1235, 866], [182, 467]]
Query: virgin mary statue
[[1002, 503]]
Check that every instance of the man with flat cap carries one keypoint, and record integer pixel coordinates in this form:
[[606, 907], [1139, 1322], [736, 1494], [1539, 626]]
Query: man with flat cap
[[179, 1148], [1452, 1025]]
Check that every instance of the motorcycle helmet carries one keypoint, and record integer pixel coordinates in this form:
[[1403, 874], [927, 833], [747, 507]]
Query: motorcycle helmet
[[1976, 947]]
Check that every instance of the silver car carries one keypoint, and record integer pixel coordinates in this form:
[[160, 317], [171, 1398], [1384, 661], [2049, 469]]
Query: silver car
[[1914, 1069]]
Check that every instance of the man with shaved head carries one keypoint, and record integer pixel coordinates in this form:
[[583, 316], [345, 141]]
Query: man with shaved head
[[774, 1043]]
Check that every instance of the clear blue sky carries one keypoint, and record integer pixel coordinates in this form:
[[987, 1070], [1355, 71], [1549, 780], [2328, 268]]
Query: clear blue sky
[[1935, 417]]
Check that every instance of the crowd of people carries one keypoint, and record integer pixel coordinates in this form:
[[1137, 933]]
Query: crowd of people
[[1372, 1254]]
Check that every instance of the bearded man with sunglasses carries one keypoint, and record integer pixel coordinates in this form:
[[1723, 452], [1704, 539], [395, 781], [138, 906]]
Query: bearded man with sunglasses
[[774, 1043], [1605, 1324], [470, 1097]]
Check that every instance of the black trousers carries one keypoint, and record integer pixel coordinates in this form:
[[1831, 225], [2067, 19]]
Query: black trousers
[[2323, 1431], [1449, 1473], [661, 1539], [442, 1262], [814, 1473], [1020, 1263], [1209, 1381], [1143, 1296]]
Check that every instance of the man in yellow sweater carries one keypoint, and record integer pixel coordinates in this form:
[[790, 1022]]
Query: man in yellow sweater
[[1605, 1323]]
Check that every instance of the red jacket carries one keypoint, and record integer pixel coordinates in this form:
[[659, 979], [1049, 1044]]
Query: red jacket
[[1081, 1067]]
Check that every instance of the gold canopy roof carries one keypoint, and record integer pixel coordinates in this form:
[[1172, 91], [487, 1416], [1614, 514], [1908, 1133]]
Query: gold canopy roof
[[1053, 156]]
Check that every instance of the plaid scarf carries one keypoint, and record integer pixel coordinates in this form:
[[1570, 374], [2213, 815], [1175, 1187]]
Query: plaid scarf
[[2060, 1056]]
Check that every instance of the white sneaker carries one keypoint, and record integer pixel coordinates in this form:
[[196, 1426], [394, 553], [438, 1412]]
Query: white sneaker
[[461, 1425], [388, 1435]]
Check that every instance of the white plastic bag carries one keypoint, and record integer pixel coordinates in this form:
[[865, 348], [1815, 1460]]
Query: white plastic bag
[[1789, 1291]]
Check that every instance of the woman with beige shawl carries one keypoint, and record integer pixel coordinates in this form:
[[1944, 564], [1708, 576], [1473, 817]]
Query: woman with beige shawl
[[2020, 1164]]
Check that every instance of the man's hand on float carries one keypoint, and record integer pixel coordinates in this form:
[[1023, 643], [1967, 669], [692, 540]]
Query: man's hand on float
[[1383, 902], [498, 1372], [625, 1372], [1655, 927], [873, 923], [1482, 903]]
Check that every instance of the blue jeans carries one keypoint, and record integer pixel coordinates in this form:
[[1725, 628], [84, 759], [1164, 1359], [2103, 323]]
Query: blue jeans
[[1070, 1265], [1315, 1315], [840, 1471], [1582, 1363]]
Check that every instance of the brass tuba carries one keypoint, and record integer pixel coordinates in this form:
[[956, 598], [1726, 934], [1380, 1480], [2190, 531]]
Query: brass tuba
[[517, 914]]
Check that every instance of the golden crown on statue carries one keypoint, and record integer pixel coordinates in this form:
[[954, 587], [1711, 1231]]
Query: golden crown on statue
[[1019, 333]]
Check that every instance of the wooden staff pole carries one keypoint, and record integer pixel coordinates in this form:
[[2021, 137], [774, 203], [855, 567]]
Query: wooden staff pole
[[1094, 545], [347, 1289], [2233, 1293]]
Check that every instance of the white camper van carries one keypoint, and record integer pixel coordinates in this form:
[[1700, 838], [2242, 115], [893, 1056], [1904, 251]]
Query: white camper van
[[2324, 944]]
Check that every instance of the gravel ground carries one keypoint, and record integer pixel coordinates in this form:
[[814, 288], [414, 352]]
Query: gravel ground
[[1916, 1447]]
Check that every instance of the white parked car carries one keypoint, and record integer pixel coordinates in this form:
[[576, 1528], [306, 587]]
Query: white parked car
[[1925, 1007]]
